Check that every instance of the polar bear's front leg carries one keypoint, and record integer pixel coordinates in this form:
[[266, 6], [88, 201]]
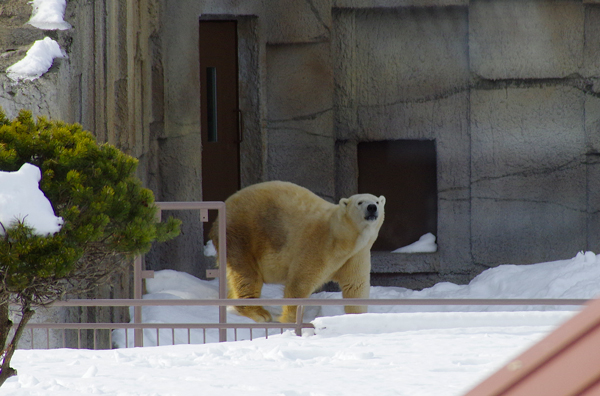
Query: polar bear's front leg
[[298, 286], [354, 279]]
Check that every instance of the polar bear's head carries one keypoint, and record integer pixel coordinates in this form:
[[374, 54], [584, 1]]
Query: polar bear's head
[[364, 207]]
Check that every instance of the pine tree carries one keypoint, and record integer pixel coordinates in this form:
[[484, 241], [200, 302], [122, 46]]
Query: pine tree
[[108, 218]]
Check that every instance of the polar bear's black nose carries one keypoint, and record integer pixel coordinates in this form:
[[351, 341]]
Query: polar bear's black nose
[[372, 208]]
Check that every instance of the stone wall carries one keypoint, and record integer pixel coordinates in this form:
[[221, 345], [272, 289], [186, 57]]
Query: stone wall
[[507, 89]]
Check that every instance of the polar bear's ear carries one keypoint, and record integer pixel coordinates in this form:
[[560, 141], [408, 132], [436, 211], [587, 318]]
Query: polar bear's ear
[[382, 200], [344, 202]]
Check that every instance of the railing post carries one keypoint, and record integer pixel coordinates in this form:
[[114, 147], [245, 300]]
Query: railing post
[[138, 334], [222, 269], [299, 317]]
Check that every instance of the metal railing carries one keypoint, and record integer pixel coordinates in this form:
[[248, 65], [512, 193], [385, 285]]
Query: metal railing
[[222, 302], [301, 303]]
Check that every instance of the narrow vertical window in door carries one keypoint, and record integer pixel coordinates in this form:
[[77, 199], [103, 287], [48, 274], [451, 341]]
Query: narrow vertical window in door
[[211, 104], [219, 110], [405, 172]]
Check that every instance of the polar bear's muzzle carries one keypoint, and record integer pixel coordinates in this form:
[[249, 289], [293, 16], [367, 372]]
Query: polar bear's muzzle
[[371, 212]]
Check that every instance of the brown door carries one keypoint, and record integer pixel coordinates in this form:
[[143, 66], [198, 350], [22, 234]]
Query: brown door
[[404, 171], [219, 111]]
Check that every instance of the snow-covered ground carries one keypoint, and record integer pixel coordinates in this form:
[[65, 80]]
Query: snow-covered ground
[[390, 351]]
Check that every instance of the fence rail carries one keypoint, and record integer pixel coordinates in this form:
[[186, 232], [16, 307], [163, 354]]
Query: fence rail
[[300, 303], [321, 301]]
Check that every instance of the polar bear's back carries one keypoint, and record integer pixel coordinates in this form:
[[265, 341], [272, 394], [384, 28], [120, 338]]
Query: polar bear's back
[[273, 222], [276, 199]]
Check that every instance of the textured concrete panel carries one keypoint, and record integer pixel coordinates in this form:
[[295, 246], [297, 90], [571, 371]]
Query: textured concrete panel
[[181, 69], [526, 39], [591, 64], [528, 178], [397, 3], [282, 21], [525, 131], [525, 232], [300, 116], [409, 54], [289, 21], [593, 212], [302, 158], [300, 83], [592, 158]]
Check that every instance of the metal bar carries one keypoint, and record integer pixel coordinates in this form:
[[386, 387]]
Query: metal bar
[[299, 318], [189, 205], [114, 326], [318, 301], [222, 224], [222, 268], [137, 294]]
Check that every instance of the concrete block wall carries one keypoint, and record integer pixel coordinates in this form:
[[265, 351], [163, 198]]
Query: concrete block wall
[[531, 130], [508, 90]]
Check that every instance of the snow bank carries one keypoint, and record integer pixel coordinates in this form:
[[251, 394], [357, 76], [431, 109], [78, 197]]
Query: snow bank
[[49, 14], [38, 60], [22, 200], [415, 321]]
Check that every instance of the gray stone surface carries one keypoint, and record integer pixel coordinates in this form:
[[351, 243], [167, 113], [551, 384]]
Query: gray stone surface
[[384, 91], [300, 116], [591, 51], [529, 179], [509, 90], [525, 39]]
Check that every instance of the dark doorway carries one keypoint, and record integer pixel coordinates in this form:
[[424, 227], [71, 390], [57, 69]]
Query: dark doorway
[[405, 172], [219, 111]]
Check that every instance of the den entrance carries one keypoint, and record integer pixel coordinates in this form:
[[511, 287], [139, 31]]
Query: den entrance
[[405, 172]]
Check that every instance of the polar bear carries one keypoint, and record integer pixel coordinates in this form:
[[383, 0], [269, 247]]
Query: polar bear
[[279, 232]]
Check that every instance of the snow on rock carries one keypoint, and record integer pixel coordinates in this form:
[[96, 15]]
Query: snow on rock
[[38, 60], [49, 14], [22, 200], [425, 244]]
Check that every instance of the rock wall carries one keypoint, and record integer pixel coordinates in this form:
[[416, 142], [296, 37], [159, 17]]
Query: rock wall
[[507, 89]]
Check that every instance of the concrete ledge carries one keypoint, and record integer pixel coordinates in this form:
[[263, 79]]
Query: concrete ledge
[[406, 263]]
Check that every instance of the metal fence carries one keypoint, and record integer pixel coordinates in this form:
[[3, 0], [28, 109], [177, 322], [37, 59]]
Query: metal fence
[[222, 302], [301, 303]]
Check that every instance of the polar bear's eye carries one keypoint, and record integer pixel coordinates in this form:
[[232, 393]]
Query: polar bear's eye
[[360, 203]]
